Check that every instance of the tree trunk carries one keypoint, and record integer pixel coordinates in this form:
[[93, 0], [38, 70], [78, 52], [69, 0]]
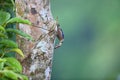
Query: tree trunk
[[37, 63]]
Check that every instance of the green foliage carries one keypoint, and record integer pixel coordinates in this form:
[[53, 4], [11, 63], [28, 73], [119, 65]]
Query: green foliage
[[8, 43], [2, 29], [13, 64], [5, 19], [2, 35], [4, 16], [21, 33], [7, 4], [10, 75], [18, 20], [10, 68], [17, 51]]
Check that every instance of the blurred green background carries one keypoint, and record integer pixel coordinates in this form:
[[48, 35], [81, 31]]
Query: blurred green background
[[91, 50]]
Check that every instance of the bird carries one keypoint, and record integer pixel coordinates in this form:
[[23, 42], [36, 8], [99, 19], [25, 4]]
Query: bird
[[60, 36]]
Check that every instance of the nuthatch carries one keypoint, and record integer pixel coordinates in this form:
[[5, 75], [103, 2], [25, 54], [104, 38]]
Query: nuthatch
[[60, 36]]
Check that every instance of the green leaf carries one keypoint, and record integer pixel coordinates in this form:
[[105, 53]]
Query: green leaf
[[14, 64], [23, 77], [13, 2], [2, 61], [2, 29], [17, 51], [4, 16], [18, 20], [9, 74], [12, 75], [3, 35], [21, 33], [2, 78], [1, 65], [8, 43], [8, 68], [1, 74]]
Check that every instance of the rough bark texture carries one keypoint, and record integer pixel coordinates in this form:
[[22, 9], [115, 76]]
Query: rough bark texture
[[37, 63]]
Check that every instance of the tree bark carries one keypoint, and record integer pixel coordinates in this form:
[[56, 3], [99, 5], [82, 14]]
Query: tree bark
[[37, 63]]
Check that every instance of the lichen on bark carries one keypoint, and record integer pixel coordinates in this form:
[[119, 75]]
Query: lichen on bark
[[37, 63]]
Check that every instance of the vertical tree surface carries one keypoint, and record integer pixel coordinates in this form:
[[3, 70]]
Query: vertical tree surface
[[38, 53]]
